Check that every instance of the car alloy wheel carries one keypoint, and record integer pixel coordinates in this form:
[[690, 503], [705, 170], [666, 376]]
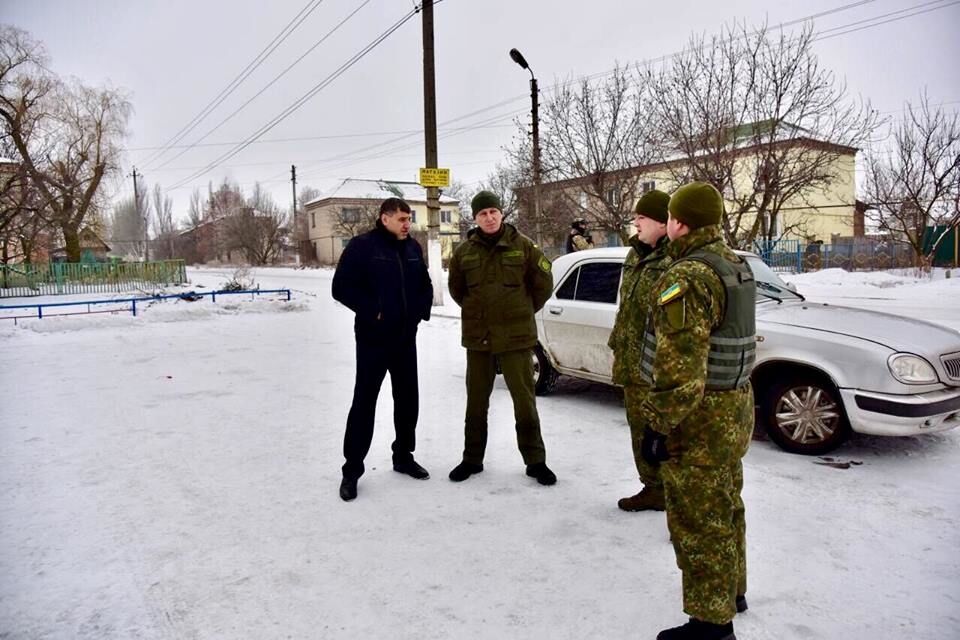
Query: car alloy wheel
[[805, 416]]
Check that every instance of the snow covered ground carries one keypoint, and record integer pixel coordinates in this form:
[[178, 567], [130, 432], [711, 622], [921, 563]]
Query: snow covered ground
[[175, 475]]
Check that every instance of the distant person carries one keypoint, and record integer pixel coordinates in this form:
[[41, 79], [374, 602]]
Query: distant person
[[699, 411], [645, 263], [383, 278], [578, 239], [500, 279]]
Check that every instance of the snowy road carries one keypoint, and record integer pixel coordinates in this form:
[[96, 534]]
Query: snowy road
[[175, 476]]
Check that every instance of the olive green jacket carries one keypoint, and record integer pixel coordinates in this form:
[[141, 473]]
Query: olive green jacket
[[641, 271], [499, 284]]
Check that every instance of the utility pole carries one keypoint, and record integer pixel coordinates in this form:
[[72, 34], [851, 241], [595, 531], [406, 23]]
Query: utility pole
[[136, 205], [517, 57], [430, 134], [296, 226]]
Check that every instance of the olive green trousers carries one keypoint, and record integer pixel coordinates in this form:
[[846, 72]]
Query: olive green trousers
[[517, 369]]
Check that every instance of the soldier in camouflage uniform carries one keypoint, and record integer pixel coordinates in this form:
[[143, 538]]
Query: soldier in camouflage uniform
[[699, 412], [500, 279], [645, 263]]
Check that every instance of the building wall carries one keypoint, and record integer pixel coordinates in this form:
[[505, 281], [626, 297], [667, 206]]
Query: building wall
[[818, 214]]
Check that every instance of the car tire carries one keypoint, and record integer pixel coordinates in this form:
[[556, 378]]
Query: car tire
[[544, 375], [804, 414]]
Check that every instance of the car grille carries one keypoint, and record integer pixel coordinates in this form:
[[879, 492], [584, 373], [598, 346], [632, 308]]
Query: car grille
[[951, 362]]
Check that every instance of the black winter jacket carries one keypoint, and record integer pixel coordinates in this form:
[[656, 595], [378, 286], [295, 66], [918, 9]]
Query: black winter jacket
[[384, 281]]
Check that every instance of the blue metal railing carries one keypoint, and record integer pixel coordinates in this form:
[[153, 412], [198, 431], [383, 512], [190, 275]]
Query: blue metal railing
[[189, 295]]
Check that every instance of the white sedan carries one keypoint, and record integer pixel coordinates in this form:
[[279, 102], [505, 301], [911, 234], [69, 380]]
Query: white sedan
[[822, 370]]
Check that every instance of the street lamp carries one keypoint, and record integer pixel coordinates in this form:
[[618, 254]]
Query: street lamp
[[517, 57]]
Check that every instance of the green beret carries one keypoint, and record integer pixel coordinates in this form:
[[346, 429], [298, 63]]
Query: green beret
[[653, 205], [697, 204], [485, 200]]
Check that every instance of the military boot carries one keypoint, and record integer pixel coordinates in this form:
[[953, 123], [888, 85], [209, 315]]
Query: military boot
[[647, 500], [699, 630]]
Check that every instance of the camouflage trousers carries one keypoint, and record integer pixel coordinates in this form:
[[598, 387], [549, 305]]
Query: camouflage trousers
[[705, 515], [633, 397]]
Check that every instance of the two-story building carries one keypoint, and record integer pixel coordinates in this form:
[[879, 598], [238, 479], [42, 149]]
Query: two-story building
[[822, 212], [353, 206]]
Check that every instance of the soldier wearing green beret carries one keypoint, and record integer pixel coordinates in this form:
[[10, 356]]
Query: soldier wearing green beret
[[645, 263], [500, 279], [699, 411]]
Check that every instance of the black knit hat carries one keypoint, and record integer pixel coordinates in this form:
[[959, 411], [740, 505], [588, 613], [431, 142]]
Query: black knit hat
[[697, 204], [485, 200], [653, 205]]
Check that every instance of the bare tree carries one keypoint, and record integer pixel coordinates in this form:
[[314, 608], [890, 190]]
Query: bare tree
[[594, 136], [351, 220], [127, 225], [196, 209], [66, 135], [166, 227], [754, 114], [301, 224], [258, 229], [915, 182]]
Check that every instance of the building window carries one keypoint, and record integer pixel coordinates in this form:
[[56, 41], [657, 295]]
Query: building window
[[446, 217], [344, 242], [583, 200], [613, 197], [413, 216], [351, 215], [649, 185], [313, 219]]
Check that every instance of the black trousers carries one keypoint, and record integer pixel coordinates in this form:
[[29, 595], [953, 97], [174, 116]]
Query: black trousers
[[374, 360]]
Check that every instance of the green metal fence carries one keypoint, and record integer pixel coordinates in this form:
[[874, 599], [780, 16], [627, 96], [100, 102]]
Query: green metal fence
[[17, 280]]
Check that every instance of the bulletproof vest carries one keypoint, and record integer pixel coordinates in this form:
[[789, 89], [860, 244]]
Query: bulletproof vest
[[733, 342]]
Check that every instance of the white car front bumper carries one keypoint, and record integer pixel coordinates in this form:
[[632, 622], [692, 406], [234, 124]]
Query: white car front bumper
[[884, 414]]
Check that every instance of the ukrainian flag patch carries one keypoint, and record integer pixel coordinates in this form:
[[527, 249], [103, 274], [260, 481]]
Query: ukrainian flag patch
[[672, 292]]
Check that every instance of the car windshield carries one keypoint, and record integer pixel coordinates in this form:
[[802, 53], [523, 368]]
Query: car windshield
[[769, 284]]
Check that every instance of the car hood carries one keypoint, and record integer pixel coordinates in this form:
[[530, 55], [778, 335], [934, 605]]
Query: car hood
[[896, 332]]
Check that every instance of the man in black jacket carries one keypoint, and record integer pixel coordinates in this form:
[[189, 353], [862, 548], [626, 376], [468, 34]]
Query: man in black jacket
[[383, 278]]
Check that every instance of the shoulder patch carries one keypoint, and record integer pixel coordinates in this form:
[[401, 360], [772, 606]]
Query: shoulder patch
[[544, 264], [672, 292]]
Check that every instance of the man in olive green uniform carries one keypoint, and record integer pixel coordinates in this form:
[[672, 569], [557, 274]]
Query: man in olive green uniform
[[699, 411], [500, 279], [645, 263]]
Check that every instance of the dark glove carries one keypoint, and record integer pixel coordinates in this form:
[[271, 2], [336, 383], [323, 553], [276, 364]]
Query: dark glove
[[653, 447]]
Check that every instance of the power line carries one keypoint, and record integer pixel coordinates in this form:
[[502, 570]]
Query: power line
[[877, 24], [592, 77], [302, 100], [371, 134], [243, 75], [271, 83]]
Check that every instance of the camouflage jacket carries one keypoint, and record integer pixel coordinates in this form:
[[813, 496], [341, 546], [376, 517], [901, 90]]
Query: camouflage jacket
[[499, 284], [703, 427], [642, 270]]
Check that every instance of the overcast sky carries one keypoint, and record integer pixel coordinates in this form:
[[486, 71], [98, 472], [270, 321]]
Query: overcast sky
[[175, 56]]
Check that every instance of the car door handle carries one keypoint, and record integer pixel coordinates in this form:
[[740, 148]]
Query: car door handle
[[555, 311]]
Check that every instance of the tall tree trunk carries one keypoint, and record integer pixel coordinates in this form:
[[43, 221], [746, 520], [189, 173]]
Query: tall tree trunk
[[71, 239]]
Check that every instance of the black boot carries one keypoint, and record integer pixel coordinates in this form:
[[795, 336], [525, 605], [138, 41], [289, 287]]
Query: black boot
[[464, 470], [348, 489], [741, 603], [542, 473], [412, 469], [699, 630]]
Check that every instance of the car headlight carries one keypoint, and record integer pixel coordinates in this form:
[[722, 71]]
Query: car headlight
[[911, 369]]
